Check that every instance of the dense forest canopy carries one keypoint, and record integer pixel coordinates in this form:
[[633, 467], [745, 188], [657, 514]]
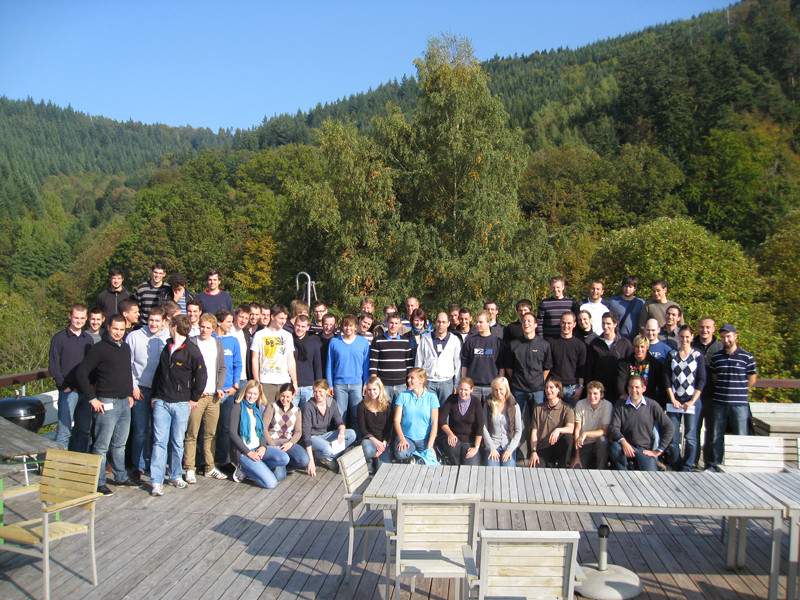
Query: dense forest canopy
[[669, 152]]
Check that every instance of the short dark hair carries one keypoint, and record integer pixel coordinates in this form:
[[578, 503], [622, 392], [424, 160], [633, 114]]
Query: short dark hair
[[676, 307], [182, 324], [195, 302], [115, 270], [661, 282], [524, 302], [688, 328], [610, 315], [302, 319], [79, 307], [453, 307], [277, 309], [158, 265], [223, 314], [177, 280], [116, 318], [213, 272], [349, 320], [464, 311], [95, 310], [158, 311], [630, 280], [243, 308], [126, 305]]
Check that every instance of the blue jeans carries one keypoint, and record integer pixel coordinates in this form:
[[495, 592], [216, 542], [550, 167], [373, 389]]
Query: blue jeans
[[482, 393], [524, 399], [457, 454], [141, 436], [738, 415], [413, 446], [169, 427], [73, 406], [303, 395], [298, 457], [110, 431], [569, 395], [511, 462], [321, 444], [223, 440], [268, 471], [370, 449], [689, 435], [620, 461], [393, 391], [348, 396], [442, 389]]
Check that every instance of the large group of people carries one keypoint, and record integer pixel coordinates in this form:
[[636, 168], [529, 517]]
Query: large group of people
[[189, 385]]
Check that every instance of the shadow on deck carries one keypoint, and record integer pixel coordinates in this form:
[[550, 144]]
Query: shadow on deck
[[218, 539]]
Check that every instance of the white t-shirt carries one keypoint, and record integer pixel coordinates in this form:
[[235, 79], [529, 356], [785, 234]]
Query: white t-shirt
[[208, 349], [273, 349]]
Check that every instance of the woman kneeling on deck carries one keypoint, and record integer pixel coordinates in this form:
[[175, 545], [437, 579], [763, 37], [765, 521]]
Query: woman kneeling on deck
[[255, 459], [320, 443], [283, 423]]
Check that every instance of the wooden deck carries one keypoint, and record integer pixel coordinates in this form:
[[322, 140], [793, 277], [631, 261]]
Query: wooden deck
[[219, 539]]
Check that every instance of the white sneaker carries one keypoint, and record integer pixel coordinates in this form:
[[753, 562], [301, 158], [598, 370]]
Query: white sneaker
[[238, 474], [158, 490], [190, 478], [178, 483], [216, 474]]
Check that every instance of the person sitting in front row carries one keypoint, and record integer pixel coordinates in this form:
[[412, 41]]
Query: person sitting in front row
[[283, 427], [375, 423], [632, 429], [502, 431], [253, 457], [552, 428], [320, 442], [462, 421], [416, 417], [592, 421]]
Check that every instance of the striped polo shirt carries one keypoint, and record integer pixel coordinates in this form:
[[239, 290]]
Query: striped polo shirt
[[732, 371]]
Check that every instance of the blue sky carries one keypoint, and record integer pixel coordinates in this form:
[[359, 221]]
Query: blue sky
[[230, 64]]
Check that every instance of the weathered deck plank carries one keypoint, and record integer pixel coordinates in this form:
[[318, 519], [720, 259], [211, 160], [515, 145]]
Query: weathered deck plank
[[220, 539]]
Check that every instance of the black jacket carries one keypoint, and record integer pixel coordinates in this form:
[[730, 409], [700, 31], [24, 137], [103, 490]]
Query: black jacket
[[180, 376]]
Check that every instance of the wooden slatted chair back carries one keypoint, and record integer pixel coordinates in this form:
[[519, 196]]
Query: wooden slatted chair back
[[353, 467], [68, 475], [760, 453], [527, 564], [437, 522]]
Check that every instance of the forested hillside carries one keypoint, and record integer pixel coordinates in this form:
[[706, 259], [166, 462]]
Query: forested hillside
[[670, 152]]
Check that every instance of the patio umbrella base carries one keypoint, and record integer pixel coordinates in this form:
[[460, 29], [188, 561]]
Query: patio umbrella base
[[615, 583]]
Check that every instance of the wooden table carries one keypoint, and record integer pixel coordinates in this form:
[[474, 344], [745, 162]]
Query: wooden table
[[785, 487], [18, 441], [626, 492]]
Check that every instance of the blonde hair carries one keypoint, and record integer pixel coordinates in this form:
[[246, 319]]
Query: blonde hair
[[262, 399], [494, 402], [382, 401]]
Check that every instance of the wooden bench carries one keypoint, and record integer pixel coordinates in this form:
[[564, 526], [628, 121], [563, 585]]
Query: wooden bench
[[749, 453]]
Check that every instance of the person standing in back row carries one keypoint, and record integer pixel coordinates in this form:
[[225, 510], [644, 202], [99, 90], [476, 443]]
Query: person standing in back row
[[733, 371]]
